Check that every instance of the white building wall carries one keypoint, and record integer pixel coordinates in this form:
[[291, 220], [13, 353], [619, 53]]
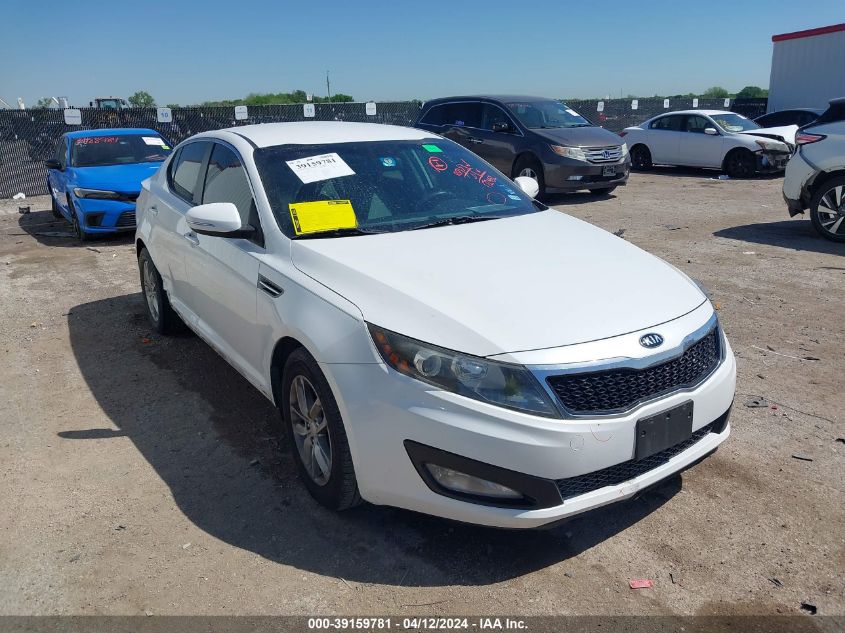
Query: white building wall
[[807, 72]]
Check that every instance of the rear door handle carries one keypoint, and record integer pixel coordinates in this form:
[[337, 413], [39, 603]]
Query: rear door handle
[[472, 139], [192, 238], [269, 287]]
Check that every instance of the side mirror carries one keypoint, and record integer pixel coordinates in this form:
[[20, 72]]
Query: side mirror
[[711, 131], [219, 219], [501, 127], [530, 186], [52, 163]]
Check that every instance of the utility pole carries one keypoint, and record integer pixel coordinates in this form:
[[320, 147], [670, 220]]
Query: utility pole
[[328, 87]]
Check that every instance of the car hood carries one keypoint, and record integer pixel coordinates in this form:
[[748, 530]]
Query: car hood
[[530, 282], [785, 134], [123, 178], [580, 136]]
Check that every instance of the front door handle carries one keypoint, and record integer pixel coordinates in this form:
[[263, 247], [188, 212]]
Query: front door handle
[[192, 238], [472, 139]]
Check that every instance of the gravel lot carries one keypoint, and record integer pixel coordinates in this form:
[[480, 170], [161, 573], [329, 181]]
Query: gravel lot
[[140, 474]]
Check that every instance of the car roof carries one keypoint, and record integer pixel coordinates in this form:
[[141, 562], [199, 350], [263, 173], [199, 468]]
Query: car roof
[[502, 98], [110, 132], [707, 112], [813, 110], [321, 132]]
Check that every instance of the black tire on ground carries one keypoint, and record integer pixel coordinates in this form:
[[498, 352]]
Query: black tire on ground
[[740, 163], [531, 167], [80, 233], [640, 158], [827, 209], [603, 191], [340, 490], [53, 206], [162, 316]]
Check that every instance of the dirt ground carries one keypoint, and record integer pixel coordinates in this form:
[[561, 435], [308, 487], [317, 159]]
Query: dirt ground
[[141, 474]]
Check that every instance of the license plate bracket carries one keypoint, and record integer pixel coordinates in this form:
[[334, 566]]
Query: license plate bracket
[[608, 170], [663, 430]]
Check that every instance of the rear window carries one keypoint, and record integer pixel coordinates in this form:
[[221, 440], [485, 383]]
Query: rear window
[[119, 149]]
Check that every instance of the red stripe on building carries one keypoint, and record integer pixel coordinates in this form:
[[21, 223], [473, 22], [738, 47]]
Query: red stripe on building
[[823, 30]]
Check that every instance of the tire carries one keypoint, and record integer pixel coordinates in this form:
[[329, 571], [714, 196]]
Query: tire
[[162, 316], [640, 158], [531, 167], [827, 209], [603, 191], [53, 206], [740, 163], [331, 478], [80, 233]]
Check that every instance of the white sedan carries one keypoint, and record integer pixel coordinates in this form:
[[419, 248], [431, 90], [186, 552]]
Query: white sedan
[[710, 138], [434, 338]]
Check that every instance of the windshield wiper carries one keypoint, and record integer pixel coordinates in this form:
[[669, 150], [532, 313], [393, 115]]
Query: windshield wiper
[[460, 219], [335, 233]]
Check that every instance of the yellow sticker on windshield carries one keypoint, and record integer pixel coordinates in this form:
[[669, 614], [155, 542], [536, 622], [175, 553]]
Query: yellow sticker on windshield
[[321, 216]]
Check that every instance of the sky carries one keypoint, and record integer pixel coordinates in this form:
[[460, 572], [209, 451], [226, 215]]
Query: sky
[[189, 51]]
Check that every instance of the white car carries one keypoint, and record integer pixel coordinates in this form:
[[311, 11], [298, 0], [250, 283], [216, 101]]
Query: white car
[[815, 175], [710, 138], [434, 338]]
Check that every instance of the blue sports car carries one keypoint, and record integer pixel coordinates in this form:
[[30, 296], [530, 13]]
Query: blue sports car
[[95, 177]]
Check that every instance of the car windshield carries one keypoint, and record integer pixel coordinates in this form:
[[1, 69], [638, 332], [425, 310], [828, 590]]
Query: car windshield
[[546, 114], [383, 186], [732, 122], [121, 149]]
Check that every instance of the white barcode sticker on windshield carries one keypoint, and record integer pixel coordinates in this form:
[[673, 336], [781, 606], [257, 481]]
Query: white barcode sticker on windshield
[[322, 167], [153, 140]]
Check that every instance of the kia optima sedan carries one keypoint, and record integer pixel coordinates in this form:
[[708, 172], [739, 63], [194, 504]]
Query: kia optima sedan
[[434, 337]]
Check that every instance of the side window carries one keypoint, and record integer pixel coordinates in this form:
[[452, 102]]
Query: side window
[[226, 181], [465, 114], [434, 116], [492, 114], [185, 170], [697, 124], [61, 152], [670, 123]]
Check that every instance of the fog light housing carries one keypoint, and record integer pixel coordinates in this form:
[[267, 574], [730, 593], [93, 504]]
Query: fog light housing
[[457, 481]]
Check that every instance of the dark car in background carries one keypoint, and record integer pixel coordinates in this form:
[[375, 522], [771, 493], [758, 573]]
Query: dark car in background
[[795, 116], [536, 137]]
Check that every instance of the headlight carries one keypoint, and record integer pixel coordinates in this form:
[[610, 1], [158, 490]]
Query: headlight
[[502, 384], [624, 150], [771, 146], [96, 194], [569, 152]]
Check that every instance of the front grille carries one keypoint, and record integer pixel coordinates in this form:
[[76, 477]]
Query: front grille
[[127, 218], [610, 154], [620, 473], [617, 390]]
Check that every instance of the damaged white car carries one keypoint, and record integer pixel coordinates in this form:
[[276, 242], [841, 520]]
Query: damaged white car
[[712, 139]]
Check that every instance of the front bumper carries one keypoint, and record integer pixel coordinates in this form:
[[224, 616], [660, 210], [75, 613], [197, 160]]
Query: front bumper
[[771, 162], [571, 175], [105, 216], [388, 416]]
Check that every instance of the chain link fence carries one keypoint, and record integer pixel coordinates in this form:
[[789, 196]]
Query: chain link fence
[[28, 137]]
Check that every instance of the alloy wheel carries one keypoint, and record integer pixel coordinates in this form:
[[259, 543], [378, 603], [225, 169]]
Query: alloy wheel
[[151, 290], [529, 173], [310, 430], [831, 211]]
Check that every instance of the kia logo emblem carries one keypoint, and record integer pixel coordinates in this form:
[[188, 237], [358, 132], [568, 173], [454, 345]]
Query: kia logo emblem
[[651, 340]]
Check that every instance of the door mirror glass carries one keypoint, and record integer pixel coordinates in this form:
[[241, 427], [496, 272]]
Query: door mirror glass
[[711, 131], [530, 186], [502, 127], [52, 163], [217, 218]]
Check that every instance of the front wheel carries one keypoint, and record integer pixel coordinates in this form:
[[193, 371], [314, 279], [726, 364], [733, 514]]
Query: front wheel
[[827, 209], [530, 167], [740, 163], [78, 230], [314, 425], [54, 207]]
